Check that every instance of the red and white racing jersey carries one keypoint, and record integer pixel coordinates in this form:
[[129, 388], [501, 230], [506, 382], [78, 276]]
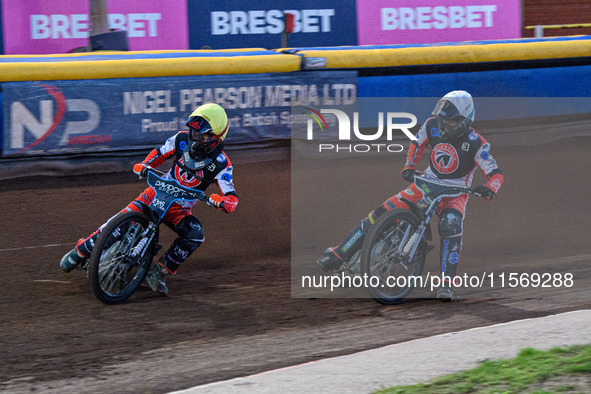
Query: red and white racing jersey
[[219, 171], [454, 161]]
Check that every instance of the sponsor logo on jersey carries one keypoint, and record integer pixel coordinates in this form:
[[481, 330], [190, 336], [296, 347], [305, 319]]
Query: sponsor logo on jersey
[[473, 136], [186, 178], [221, 158], [485, 155], [434, 132], [495, 185], [445, 158]]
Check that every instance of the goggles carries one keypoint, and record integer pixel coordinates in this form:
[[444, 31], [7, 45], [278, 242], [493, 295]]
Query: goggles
[[200, 131], [450, 124]]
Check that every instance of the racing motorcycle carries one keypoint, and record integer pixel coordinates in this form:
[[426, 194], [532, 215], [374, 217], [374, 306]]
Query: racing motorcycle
[[123, 253], [396, 246]]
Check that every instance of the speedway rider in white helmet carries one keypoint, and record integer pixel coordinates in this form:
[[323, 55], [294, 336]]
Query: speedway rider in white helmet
[[199, 161], [456, 151]]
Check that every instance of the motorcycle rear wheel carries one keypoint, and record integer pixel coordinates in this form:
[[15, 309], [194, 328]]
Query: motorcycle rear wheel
[[389, 281], [113, 275]]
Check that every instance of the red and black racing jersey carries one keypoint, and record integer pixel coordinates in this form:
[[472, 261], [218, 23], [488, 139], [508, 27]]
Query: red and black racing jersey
[[455, 160]]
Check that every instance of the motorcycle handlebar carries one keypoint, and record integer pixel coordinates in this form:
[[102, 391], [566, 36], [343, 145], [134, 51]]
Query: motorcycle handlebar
[[468, 190], [148, 169]]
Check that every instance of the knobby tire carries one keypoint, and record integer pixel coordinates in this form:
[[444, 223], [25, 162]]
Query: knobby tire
[[101, 246], [378, 233]]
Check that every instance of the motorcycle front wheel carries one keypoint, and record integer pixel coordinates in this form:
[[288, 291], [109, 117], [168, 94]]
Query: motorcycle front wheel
[[114, 273], [389, 279]]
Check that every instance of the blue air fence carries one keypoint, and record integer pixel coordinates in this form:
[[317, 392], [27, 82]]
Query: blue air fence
[[571, 81], [66, 117], [487, 108]]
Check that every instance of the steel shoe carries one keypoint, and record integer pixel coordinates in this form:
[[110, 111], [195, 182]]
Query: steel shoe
[[447, 294], [331, 261], [156, 280], [72, 260]]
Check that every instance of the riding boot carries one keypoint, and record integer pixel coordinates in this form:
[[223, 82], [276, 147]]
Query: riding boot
[[334, 257], [450, 230], [156, 278]]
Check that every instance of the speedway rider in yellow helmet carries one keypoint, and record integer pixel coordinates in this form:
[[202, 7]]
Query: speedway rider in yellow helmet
[[199, 161]]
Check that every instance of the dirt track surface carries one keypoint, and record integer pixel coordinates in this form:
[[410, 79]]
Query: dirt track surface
[[230, 312]]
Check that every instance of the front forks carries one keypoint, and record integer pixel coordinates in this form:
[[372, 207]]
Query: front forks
[[407, 249], [138, 251]]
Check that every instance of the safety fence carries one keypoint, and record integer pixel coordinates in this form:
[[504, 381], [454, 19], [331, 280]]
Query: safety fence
[[105, 101], [539, 29]]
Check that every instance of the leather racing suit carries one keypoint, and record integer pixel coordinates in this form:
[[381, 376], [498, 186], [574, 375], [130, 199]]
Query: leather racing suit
[[453, 161], [179, 217]]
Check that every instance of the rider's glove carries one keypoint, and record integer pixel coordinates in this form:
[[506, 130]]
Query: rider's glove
[[216, 200], [409, 175], [484, 191], [228, 203], [140, 169]]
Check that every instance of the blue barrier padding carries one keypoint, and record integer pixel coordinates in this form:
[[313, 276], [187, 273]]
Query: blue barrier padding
[[90, 116], [130, 56], [1, 121], [396, 46], [570, 81]]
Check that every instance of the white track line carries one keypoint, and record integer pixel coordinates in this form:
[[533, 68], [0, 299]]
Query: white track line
[[34, 247], [50, 281]]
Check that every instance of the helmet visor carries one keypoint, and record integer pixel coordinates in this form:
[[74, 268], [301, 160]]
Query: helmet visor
[[446, 109], [198, 126]]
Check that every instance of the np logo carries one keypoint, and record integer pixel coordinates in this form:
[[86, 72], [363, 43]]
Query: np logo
[[445, 158], [53, 127], [186, 178], [195, 125]]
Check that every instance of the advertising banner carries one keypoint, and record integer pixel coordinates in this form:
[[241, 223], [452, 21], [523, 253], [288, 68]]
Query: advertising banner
[[239, 24], [387, 22], [63, 117], [46, 27]]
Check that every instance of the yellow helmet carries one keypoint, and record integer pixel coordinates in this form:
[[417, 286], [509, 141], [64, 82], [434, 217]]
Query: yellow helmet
[[208, 127], [214, 115]]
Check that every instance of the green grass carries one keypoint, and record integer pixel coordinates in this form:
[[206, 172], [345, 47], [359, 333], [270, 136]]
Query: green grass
[[531, 367]]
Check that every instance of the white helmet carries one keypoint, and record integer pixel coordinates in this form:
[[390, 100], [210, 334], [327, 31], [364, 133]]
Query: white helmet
[[455, 114]]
